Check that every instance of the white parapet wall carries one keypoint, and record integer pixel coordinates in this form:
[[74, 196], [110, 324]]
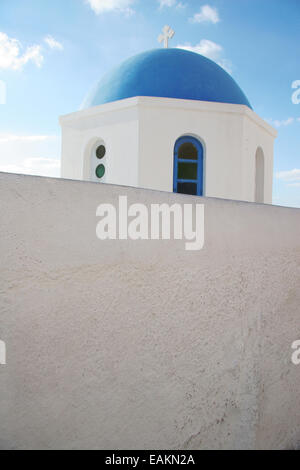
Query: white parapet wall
[[142, 344]]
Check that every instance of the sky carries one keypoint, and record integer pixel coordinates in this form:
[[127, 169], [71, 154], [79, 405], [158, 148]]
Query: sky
[[52, 52]]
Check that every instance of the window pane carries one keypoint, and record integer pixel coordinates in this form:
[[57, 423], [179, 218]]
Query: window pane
[[100, 171], [188, 151], [187, 171], [100, 152], [187, 188]]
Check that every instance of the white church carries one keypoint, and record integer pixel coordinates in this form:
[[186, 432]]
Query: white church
[[171, 120]]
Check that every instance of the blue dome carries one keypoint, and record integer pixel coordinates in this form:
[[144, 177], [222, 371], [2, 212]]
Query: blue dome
[[168, 73]]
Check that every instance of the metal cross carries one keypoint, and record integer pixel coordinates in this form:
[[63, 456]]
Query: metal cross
[[167, 34]]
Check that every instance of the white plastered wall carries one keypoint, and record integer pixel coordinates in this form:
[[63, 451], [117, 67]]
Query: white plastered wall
[[116, 126], [140, 134], [257, 136], [123, 344]]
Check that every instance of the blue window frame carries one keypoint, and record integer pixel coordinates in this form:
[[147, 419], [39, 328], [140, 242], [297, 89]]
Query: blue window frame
[[188, 166]]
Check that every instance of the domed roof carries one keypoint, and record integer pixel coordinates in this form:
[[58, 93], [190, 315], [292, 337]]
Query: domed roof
[[168, 73]]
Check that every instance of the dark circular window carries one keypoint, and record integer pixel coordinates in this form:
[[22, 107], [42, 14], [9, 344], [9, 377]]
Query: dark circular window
[[100, 152], [100, 171]]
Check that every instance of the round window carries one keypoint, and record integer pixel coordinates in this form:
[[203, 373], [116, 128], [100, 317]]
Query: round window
[[100, 152], [100, 171]]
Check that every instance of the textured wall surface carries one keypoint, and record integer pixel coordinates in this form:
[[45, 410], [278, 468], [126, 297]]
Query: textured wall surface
[[143, 345]]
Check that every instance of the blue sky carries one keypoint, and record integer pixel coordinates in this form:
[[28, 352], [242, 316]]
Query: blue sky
[[53, 52]]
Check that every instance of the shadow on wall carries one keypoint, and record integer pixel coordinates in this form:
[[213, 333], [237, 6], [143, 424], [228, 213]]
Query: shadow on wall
[[2, 353], [259, 176]]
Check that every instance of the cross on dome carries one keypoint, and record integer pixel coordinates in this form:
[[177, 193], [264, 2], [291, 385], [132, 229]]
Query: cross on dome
[[168, 33]]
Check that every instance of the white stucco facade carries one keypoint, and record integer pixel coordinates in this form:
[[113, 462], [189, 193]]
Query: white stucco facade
[[140, 134]]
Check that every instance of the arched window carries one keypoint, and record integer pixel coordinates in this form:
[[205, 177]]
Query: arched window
[[259, 176], [95, 161], [188, 166], [98, 162]]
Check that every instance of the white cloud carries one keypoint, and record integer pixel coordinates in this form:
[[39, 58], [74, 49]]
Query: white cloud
[[13, 57], [171, 3], [30, 154], [53, 43], [5, 138], [207, 14], [284, 123], [211, 50], [167, 3], [292, 176], [204, 47], [103, 6], [34, 166]]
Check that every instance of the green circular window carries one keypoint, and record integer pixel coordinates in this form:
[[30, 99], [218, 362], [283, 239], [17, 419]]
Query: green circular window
[[100, 152], [100, 171]]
